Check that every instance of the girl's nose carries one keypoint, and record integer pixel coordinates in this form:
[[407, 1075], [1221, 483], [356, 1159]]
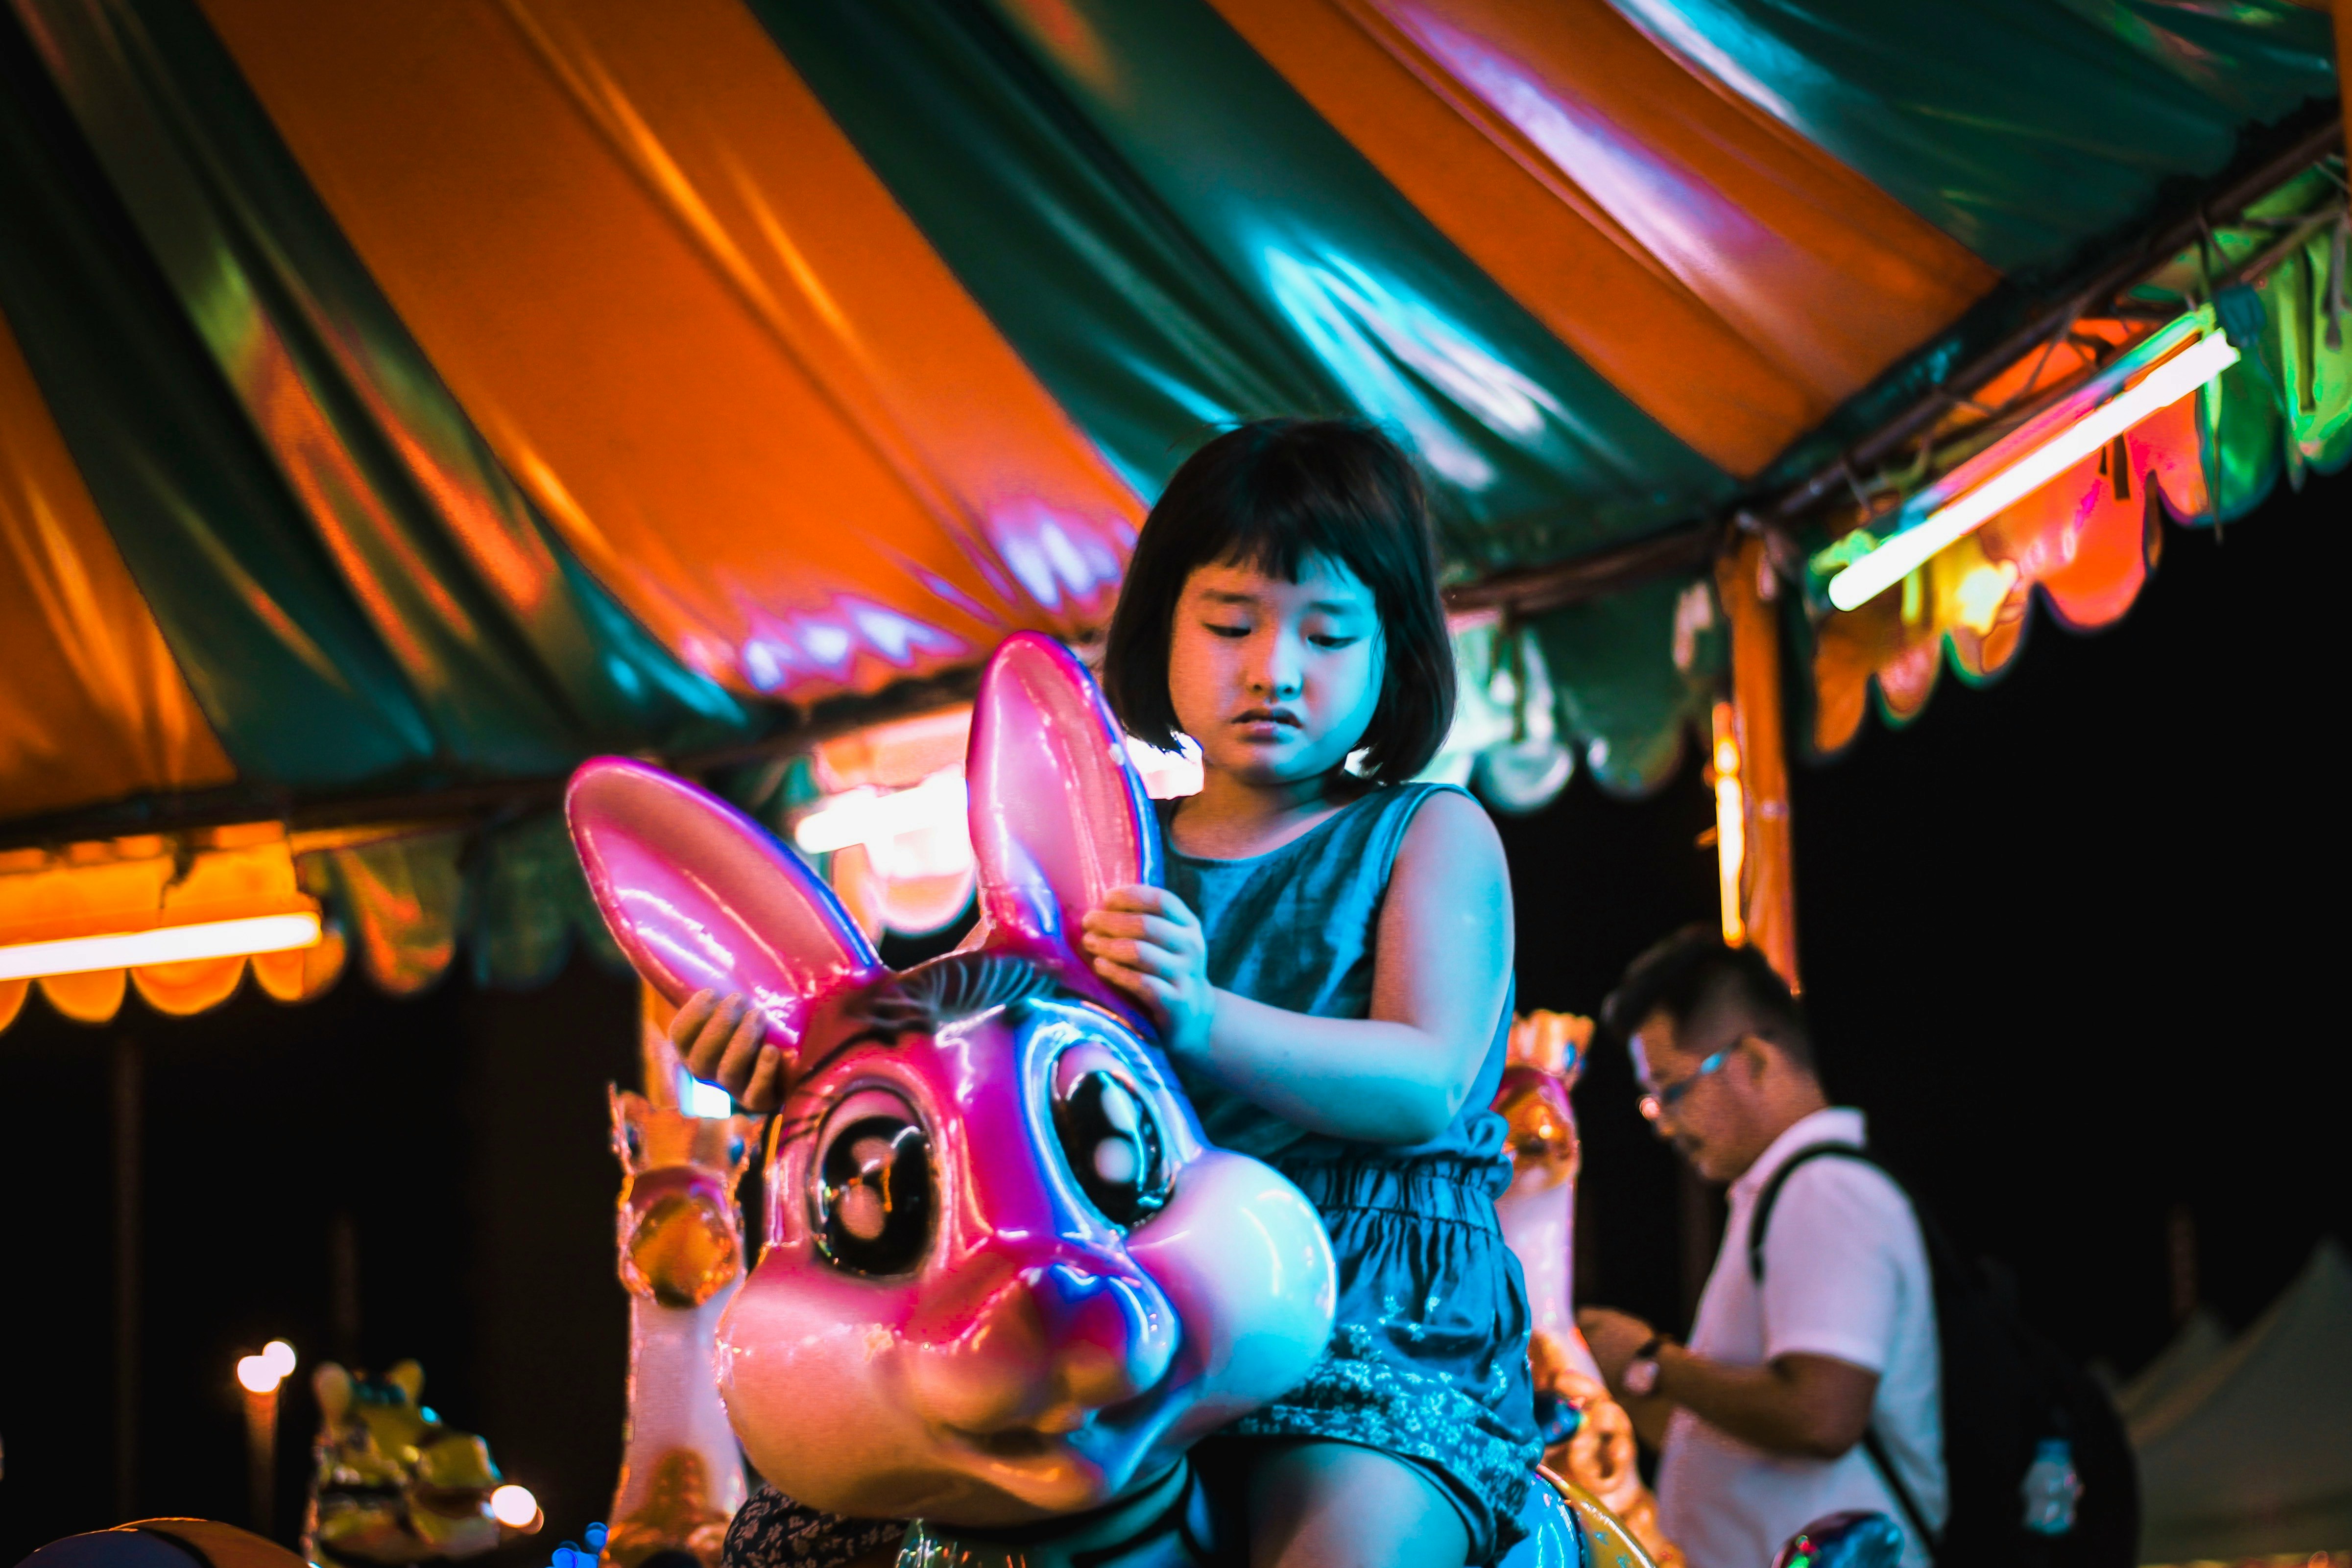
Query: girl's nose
[[1279, 673]]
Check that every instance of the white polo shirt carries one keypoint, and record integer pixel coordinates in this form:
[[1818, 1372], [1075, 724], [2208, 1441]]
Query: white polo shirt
[[1846, 1276]]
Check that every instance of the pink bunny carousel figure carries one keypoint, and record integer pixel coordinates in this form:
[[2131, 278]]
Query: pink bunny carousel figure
[[1003, 1277]]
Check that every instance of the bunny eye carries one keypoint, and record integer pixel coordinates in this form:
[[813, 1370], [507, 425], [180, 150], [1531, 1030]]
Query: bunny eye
[[874, 1189], [1112, 1143]]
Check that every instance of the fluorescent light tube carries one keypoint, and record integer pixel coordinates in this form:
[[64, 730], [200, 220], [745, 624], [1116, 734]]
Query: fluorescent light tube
[[1901, 553], [162, 945]]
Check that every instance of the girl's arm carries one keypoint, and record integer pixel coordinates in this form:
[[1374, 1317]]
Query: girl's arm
[[1441, 969]]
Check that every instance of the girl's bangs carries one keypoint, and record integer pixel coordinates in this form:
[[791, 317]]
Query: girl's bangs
[[1281, 540]]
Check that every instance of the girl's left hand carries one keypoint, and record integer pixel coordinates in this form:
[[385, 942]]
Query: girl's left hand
[[1149, 944]]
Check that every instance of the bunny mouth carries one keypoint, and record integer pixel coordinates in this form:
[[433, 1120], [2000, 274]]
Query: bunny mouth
[[1051, 1445], [1013, 1443]]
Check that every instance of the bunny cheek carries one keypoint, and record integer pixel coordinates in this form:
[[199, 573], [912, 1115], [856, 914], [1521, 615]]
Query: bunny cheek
[[1244, 1259], [812, 1375]]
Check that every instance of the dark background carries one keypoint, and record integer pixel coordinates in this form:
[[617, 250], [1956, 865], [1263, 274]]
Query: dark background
[[2065, 938]]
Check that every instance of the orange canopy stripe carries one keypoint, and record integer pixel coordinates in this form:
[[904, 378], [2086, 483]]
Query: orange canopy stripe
[[93, 708], [1651, 222], [695, 329]]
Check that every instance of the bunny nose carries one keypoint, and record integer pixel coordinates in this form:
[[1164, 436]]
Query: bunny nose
[[1053, 1344], [1109, 1342]]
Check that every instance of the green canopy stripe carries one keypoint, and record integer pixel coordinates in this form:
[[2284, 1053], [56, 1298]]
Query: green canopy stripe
[[519, 662], [291, 678], [1171, 236], [2022, 128]]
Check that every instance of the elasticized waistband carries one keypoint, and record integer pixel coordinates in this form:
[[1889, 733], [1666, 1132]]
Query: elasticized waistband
[[1437, 1188]]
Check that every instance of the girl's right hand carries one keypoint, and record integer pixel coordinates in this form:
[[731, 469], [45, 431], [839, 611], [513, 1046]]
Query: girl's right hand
[[719, 1038], [1149, 943]]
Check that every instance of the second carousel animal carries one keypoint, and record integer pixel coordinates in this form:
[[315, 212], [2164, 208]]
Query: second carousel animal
[[1589, 1438], [681, 1257]]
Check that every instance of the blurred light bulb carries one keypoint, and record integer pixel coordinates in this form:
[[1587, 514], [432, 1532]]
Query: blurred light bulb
[[513, 1506], [279, 1356], [1167, 775], [862, 816], [258, 1374]]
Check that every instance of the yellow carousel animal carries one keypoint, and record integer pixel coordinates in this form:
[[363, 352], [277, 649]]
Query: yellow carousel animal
[[390, 1484]]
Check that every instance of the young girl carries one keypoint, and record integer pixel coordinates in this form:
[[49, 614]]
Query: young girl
[[1330, 964]]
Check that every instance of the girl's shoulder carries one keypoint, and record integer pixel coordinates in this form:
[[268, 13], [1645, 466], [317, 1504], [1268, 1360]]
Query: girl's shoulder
[[1443, 828], [1429, 811], [1372, 827], [1359, 845], [1419, 828]]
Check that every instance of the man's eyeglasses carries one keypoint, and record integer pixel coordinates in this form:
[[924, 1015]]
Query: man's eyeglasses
[[1659, 1102]]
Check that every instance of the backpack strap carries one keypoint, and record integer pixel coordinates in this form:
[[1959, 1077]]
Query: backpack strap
[[1762, 1217], [1883, 1463], [1758, 1222]]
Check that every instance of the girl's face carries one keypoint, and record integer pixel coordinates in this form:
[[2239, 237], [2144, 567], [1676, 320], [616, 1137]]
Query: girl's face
[[1276, 681]]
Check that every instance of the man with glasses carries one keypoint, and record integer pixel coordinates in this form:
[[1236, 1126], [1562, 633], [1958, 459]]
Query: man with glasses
[[1805, 1381]]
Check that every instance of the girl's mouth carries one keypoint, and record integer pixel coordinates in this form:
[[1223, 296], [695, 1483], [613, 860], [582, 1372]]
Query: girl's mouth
[[1266, 723]]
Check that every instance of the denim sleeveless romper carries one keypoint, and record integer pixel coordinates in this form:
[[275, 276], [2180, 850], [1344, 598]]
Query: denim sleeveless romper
[[1428, 1359]]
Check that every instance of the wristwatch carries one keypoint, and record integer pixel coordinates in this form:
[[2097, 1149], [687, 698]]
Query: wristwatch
[[1641, 1376]]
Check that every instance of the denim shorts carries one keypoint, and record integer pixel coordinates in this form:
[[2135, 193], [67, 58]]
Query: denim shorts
[[1429, 1358]]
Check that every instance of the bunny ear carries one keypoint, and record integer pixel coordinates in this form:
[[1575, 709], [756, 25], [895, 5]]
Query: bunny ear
[[1058, 816], [701, 898]]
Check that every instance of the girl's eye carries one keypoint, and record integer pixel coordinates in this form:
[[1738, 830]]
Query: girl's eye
[[1113, 1145], [1216, 631], [1335, 642], [874, 1194]]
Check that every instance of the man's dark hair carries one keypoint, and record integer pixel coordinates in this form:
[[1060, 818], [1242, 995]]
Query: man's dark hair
[[1274, 494], [1694, 972]]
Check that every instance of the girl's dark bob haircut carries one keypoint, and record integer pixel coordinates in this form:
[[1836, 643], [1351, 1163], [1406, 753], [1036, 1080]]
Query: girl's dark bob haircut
[[1274, 494]]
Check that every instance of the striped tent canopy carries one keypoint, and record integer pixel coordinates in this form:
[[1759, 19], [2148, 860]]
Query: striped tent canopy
[[399, 404]]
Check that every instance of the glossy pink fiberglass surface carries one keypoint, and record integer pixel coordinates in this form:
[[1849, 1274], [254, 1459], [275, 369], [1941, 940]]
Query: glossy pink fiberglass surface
[[1003, 1277], [700, 898]]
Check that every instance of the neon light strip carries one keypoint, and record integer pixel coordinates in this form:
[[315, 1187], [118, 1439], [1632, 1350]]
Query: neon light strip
[[170, 945], [1901, 553]]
